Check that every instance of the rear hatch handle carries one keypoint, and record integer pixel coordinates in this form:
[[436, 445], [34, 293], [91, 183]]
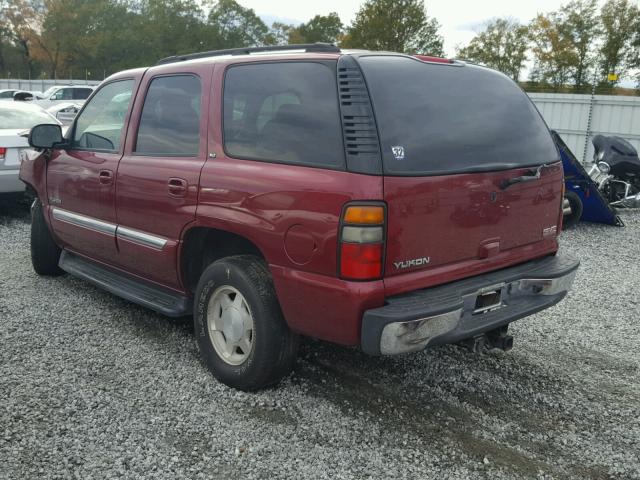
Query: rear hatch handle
[[534, 175]]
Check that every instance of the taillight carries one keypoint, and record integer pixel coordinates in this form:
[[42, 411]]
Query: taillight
[[3, 151], [362, 239]]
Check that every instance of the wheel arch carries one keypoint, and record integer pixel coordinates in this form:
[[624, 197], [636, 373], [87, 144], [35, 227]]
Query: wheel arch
[[204, 244]]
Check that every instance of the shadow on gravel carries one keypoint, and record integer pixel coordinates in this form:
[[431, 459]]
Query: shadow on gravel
[[447, 397], [14, 207]]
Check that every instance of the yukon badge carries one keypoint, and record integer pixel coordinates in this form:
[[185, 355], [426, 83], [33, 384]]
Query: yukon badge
[[415, 262]]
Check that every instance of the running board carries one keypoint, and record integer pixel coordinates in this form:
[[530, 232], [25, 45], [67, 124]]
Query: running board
[[156, 298]]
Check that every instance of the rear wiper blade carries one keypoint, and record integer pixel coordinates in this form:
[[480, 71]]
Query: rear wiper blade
[[535, 175]]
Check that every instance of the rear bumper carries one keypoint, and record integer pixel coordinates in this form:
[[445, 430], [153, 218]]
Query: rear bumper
[[450, 313], [9, 181]]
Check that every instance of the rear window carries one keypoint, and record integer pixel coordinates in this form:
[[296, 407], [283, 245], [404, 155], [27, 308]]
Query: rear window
[[283, 112], [445, 119]]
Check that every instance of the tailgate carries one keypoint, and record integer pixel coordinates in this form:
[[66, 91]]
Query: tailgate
[[451, 135], [458, 219]]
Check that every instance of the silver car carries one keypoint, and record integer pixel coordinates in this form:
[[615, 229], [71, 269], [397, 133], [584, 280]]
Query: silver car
[[63, 93], [65, 112], [15, 119]]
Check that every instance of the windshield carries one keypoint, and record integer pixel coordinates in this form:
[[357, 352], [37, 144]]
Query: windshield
[[14, 118], [445, 119], [47, 93]]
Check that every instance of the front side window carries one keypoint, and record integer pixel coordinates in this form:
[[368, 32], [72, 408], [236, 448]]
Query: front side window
[[283, 112], [101, 123], [170, 121]]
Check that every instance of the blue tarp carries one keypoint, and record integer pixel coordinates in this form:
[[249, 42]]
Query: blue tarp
[[576, 179]]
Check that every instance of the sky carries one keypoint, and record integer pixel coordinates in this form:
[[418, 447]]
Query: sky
[[459, 19]]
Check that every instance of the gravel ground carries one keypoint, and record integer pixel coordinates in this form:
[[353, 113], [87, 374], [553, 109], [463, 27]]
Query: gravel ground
[[94, 387]]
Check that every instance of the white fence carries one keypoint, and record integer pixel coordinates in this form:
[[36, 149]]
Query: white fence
[[41, 85], [577, 118]]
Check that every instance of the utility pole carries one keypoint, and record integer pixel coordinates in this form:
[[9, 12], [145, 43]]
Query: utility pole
[[587, 136]]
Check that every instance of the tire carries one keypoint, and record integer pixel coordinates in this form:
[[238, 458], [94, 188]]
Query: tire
[[45, 254], [572, 219], [263, 357]]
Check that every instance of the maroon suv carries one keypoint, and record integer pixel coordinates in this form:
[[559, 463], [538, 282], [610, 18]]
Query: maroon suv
[[371, 199]]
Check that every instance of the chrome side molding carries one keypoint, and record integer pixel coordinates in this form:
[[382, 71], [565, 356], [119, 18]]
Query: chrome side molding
[[141, 238], [84, 221], [136, 236]]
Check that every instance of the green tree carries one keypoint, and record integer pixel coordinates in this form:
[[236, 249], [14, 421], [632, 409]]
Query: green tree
[[553, 53], [619, 20], [19, 24], [501, 45], [395, 25], [579, 24], [321, 28], [279, 33], [236, 26]]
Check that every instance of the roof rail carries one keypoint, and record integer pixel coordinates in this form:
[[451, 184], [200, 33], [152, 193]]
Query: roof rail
[[307, 47]]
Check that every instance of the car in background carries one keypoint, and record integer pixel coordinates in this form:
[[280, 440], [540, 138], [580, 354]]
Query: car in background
[[66, 93], [65, 112], [7, 94], [15, 119], [13, 94]]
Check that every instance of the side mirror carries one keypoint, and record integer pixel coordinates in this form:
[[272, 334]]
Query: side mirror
[[45, 136]]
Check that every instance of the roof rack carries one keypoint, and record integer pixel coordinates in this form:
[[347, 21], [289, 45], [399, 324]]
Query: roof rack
[[307, 47]]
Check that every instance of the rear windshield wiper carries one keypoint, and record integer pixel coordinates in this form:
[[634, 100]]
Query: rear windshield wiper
[[534, 175]]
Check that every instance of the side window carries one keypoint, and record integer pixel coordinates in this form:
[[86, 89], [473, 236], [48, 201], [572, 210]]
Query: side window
[[100, 125], [170, 120], [81, 93], [7, 94], [283, 112]]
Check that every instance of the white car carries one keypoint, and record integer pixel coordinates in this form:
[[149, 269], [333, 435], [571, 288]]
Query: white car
[[8, 94], [15, 119], [65, 112], [64, 93]]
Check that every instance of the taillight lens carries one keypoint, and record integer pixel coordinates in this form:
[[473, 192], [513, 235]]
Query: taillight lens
[[362, 242], [3, 151]]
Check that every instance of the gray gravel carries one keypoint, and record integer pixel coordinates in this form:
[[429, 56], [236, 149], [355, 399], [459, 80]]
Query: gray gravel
[[94, 387]]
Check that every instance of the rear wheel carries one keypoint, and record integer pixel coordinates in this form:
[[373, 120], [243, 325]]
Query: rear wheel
[[45, 254], [572, 218], [239, 328]]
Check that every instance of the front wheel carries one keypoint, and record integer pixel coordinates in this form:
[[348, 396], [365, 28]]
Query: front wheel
[[45, 254], [240, 331]]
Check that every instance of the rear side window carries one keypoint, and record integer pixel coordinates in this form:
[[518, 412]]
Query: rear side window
[[283, 112], [170, 121], [442, 119], [81, 93]]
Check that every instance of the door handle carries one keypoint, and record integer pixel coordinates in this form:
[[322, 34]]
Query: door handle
[[177, 187], [105, 177]]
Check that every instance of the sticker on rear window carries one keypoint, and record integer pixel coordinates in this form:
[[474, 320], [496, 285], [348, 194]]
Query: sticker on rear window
[[398, 152]]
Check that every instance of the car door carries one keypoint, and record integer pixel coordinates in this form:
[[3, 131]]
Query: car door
[[81, 177], [159, 174]]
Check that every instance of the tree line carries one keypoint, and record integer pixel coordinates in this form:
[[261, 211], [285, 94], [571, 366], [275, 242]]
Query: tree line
[[569, 48]]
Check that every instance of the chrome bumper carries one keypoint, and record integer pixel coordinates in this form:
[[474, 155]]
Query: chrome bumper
[[457, 311]]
